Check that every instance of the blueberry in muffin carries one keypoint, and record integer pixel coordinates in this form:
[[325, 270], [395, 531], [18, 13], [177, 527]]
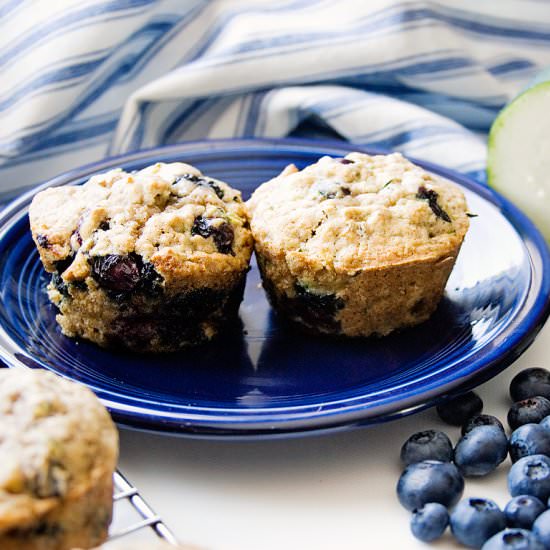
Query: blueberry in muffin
[[152, 261], [357, 246]]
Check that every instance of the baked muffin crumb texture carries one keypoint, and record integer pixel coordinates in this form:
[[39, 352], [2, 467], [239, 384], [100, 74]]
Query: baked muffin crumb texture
[[127, 250], [365, 244]]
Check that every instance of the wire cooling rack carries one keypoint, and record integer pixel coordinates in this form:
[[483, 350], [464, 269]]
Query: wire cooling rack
[[125, 494]]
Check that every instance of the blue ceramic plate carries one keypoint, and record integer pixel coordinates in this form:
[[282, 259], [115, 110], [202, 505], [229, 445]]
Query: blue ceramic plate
[[262, 380]]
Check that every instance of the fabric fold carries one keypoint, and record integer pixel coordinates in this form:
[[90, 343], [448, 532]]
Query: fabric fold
[[98, 78]]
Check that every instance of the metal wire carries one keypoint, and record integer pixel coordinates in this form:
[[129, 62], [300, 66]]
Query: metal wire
[[124, 490]]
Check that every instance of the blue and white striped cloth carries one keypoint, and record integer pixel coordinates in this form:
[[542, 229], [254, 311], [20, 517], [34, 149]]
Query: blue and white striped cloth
[[82, 79]]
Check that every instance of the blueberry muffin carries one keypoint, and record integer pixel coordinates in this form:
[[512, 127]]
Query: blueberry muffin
[[357, 246], [152, 261], [59, 449]]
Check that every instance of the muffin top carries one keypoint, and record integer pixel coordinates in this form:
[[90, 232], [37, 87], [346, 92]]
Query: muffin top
[[166, 217], [358, 212], [57, 439]]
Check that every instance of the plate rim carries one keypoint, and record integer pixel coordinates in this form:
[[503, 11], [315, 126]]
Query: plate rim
[[334, 418]]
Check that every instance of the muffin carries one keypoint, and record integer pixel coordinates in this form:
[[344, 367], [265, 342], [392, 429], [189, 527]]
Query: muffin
[[152, 261], [59, 449], [357, 246]]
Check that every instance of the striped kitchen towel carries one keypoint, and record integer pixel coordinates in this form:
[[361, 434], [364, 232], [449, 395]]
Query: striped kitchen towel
[[83, 79]]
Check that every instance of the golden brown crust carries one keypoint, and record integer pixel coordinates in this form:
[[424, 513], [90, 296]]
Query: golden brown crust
[[209, 271], [374, 302], [151, 213], [373, 211], [81, 520]]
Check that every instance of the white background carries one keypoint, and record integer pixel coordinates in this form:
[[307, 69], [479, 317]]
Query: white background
[[318, 493]]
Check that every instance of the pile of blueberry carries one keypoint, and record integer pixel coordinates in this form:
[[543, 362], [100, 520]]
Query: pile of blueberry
[[433, 480]]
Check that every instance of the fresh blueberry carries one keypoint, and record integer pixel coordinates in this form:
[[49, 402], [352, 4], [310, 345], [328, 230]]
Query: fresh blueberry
[[529, 439], [481, 450], [541, 529], [531, 410], [475, 520], [427, 445], [545, 423], [481, 420], [530, 475], [429, 522], [430, 481], [460, 409], [523, 510], [513, 539], [529, 383]]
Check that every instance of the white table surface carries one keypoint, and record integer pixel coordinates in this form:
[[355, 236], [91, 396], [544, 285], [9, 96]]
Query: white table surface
[[318, 493]]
